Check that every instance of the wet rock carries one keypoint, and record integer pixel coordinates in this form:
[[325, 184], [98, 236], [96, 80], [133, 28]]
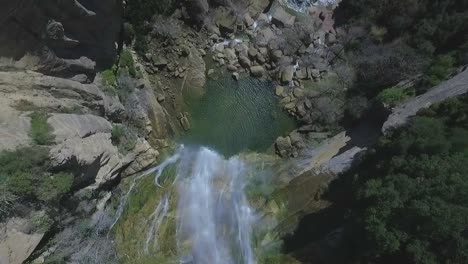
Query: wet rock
[[276, 55], [184, 122], [252, 52], [257, 71], [248, 20], [279, 90], [283, 146], [230, 54], [282, 19], [235, 76], [298, 92], [287, 74], [244, 62], [302, 74], [231, 67]]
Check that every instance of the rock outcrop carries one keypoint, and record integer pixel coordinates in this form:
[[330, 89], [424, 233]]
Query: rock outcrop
[[61, 32]]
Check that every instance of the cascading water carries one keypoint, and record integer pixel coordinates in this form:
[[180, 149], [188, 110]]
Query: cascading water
[[214, 219]]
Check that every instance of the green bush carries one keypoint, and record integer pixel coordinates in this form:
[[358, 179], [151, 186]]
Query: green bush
[[439, 70], [109, 77], [392, 96], [41, 131], [123, 137], [126, 62], [54, 186], [41, 221], [24, 172], [411, 204]]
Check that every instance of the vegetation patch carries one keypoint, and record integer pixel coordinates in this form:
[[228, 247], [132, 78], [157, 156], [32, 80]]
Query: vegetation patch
[[41, 131], [410, 194], [24, 173], [393, 96], [123, 137]]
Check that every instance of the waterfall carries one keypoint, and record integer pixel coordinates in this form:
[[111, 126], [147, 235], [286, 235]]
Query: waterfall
[[214, 219]]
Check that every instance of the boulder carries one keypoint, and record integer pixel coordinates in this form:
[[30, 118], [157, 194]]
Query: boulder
[[314, 73], [252, 52], [72, 125], [298, 92], [244, 62], [264, 36], [279, 90], [257, 71], [230, 54], [17, 242], [185, 123], [276, 55], [287, 74], [283, 146], [235, 76], [248, 20], [159, 61], [302, 74], [281, 18]]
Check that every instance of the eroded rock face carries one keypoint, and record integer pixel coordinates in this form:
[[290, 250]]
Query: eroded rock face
[[58, 30], [17, 241]]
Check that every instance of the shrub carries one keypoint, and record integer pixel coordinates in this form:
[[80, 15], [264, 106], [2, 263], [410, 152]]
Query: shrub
[[392, 96], [40, 130], [109, 77], [54, 186], [123, 137], [439, 70], [24, 172], [41, 221], [126, 62]]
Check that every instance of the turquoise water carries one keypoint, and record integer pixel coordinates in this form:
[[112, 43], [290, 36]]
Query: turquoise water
[[235, 116]]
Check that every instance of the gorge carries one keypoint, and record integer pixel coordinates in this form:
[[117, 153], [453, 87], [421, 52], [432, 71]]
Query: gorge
[[233, 131]]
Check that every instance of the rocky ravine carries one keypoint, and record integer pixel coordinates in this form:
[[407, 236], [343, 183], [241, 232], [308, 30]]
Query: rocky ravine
[[49, 55]]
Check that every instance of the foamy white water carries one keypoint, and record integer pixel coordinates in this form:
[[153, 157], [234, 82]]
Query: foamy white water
[[214, 218]]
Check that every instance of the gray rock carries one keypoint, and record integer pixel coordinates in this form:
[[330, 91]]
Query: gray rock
[[260, 58], [281, 18], [276, 55], [244, 62], [231, 67], [184, 122], [235, 76], [287, 74], [279, 90], [252, 52], [257, 71], [314, 73], [298, 92], [248, 20], [283, 146], [71, 125], [302, 74], [230, 54], [159, 61]]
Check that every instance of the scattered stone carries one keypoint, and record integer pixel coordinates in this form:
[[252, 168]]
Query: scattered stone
[[202, 52], [252, 53], [248, 20], [210, 72], [287, 74], [298, 92], [184, 122], [161, 98], [285, 100], [159, 61], [260, 58], [314, 73], [244, 61], [263, 18], [264, 36], [279, 90], [283, 146], [302, 74], [281, 18], [140, 84], [235, 76], [290, 106], [257, 71], [231, 67], [330, 38], [230, 54], [276, 55]]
